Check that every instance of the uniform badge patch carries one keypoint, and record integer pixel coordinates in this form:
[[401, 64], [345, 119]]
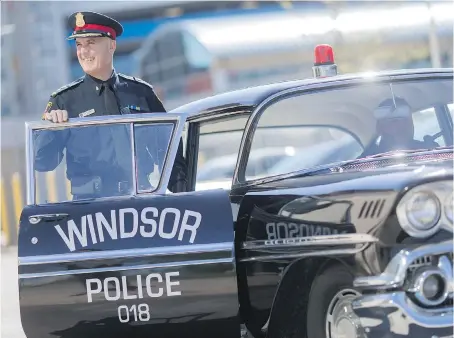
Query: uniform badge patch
[[49, 105], [134, 107], [86, 113], [80, 22]]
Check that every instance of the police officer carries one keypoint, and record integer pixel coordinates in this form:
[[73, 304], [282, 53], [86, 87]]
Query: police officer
[[101, 91], [395, 129]]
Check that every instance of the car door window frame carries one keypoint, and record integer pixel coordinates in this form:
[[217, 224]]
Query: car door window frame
[[444, 119], [193, 137]]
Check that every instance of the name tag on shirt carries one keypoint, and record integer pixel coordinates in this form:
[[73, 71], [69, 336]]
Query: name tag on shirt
[[87, 113]]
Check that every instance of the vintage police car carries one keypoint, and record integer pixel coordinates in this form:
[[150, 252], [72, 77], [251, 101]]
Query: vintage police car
[[348, 235]]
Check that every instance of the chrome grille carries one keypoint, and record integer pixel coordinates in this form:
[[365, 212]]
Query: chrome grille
[[420, 262], [430, 260], [379, 163]]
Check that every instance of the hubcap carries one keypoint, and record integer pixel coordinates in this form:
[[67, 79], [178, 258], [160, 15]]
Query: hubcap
[[341, 321]]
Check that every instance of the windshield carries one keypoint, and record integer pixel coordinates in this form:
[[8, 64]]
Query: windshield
[[356, 121], [96, 161]]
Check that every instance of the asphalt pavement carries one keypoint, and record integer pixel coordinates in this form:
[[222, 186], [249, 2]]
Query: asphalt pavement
[[11, 326]]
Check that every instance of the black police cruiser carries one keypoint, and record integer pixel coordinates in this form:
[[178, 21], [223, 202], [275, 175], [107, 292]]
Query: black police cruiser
[[330, 215]]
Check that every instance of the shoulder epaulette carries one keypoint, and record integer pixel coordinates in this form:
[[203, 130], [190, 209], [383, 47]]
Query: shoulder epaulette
[[135, 79], [66, 87]]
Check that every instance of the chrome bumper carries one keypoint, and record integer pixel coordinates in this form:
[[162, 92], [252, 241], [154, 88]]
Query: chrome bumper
[[387, 310]]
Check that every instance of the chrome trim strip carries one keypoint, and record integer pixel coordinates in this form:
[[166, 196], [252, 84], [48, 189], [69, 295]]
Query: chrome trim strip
[[29, 157], [129, 253], [105, 120], [318, 253], [133, 157], [415, 315], [396, 271], [125, 268], [298, 242], [169, 158]]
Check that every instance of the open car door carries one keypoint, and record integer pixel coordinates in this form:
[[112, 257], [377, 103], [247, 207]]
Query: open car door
[[120, 257]]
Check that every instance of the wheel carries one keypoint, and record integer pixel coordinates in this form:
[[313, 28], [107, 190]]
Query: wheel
[[323, 312], [329, 312]]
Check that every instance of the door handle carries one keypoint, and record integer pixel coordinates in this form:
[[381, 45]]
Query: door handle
[[35, 219]]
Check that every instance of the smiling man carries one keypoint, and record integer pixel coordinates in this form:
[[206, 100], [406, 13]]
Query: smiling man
[[101, 91]]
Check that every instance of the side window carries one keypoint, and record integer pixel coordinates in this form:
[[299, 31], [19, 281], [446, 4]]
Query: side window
[[197, 56], [219, 143], [426, 124], [151, 64]]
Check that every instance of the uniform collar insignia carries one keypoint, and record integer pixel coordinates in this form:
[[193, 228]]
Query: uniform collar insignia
[[97, 84]]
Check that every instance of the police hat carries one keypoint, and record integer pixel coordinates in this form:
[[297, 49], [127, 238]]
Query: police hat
[[87, 24], [392, 108]]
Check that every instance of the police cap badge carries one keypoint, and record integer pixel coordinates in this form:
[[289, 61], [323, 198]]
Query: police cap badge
[[87, 24]]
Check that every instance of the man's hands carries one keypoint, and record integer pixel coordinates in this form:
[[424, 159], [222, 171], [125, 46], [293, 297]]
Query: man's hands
[[56, 116]]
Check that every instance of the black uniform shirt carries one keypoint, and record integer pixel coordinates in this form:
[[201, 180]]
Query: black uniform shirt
[[92, 151], [118, 94]]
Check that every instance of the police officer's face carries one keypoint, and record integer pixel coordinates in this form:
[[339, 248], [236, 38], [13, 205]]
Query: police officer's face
[[95, 54], [400, 130]]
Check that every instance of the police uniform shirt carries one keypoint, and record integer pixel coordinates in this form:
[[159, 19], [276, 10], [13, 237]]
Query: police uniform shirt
[[121, 94]]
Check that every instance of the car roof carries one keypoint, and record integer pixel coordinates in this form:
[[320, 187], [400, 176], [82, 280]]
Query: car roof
[[249, 98]]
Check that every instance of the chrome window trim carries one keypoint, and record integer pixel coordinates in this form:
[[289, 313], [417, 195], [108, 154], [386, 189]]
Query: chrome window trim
[[178, 119]]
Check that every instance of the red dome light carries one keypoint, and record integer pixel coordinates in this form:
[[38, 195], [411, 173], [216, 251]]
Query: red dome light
[[323, 55]]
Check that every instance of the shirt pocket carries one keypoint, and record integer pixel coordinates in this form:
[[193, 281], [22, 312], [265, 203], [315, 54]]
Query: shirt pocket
[[133, 104]]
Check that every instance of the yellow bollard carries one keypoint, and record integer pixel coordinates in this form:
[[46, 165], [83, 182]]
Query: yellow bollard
[[37, 190], [4, 211], [17, 197], [51, 185], [68, 190]]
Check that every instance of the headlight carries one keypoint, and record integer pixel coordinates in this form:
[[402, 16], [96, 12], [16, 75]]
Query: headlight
[[448, 207], [424, 209]]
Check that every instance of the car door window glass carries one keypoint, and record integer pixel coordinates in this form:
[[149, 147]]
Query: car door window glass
[[219, 143], [426, 125]]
